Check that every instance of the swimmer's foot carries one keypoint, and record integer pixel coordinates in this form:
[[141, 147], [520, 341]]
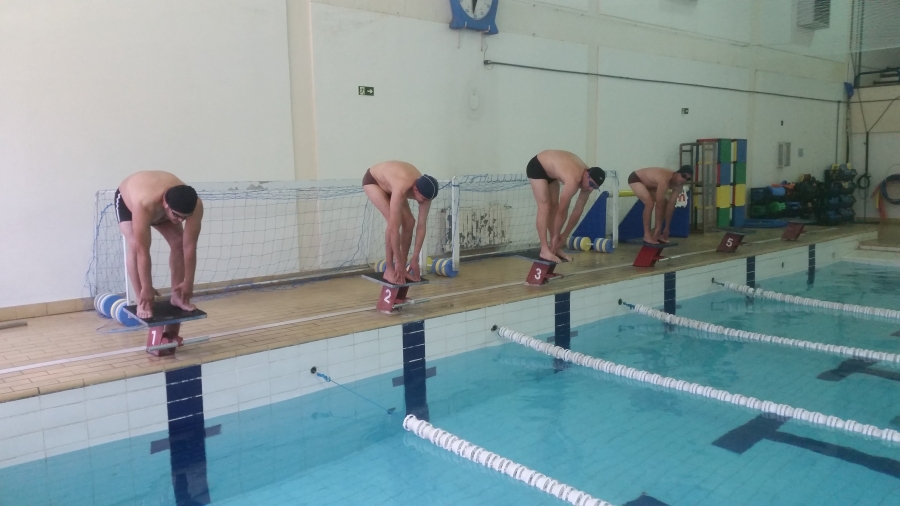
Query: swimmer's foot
[[178, 301], [545, 254], [563, 256]]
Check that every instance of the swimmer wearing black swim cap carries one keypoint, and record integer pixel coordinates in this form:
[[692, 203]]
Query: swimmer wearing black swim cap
[[546, 172], [650, 185], [390, 186], [159, 200]]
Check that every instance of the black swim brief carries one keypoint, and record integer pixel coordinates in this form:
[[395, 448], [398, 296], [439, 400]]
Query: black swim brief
[[633, 178], [122, 211], [369, 178], [536, 171]]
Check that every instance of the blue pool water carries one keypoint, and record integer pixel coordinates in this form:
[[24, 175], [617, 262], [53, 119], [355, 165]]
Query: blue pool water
[[613, 438]]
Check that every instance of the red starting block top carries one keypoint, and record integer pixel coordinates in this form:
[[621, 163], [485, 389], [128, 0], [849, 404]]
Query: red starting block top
[[649, 253], [794, 228], [392, 297], [164, 313], [733, 238], [541, 270]]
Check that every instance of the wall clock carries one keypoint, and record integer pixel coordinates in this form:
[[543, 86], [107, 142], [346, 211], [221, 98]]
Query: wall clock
[[477, 15]]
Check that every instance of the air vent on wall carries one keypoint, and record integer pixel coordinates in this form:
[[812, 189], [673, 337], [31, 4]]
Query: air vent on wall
[[784, 154], [813, 14]]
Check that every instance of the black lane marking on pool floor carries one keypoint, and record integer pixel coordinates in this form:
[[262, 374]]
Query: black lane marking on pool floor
[[765, 427], [414, 370], [429, 372], [645, 500], [669, 292], [751, 271], [857, 366], [187, 436], [562, 326], [811, 271]]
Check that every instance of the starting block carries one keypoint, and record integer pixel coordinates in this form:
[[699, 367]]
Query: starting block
[[541, 271], [393, 297], [733, 238], [164, 325], [649, 253], [794, 229]]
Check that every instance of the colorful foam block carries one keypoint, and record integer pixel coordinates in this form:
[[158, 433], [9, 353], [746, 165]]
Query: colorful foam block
[[723, 218], [725, 176], [724, 194], [740, 195]]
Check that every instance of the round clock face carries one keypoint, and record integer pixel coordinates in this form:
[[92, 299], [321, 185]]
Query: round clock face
[[478, 9]]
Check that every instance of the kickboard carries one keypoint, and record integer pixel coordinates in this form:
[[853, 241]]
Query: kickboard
[[743, 231], [535, 256], [378, 277], [640, 242], [164, 313]]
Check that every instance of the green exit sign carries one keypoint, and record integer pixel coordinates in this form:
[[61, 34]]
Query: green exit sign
[[367, 91]]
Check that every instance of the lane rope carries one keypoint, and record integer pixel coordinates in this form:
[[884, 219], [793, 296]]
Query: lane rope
[[806, 301], [479, 455], [782, 410], [743, 335]]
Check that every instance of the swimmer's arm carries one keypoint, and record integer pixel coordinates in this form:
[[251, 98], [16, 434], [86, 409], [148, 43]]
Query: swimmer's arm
[[420, 229], [670, 206], [397, 201], [140, 225], [576, 213], [661, 190], [565, 198], [191, 235]]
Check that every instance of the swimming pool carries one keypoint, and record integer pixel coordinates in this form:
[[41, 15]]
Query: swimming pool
[[616, 439]]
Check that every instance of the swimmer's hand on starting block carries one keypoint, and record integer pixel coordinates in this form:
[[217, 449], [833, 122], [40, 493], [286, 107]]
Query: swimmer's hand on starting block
[[378, 277], [414, 272], [641, 242]]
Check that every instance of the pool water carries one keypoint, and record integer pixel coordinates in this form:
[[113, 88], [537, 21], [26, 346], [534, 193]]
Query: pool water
[[613, 438]]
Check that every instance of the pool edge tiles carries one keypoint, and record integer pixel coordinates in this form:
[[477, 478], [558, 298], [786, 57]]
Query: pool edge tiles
[[51, 424]]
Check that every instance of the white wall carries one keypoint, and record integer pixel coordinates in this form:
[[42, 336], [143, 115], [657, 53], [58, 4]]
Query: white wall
[[238, 90], [92, 91], [640, 124], [879, 114], [778, 30], [435, 104], [725, 19]]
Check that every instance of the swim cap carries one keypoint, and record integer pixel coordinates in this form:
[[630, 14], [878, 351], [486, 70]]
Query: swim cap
[[181, 199], [686, 171], [597, 175], [427, 186]]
